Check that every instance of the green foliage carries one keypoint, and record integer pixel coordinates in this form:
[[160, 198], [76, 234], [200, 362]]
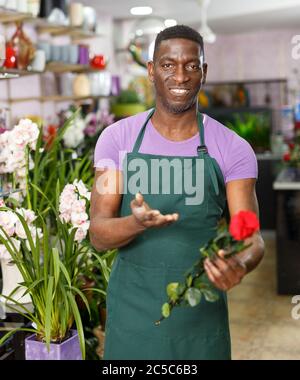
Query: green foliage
[[50, 276], [128, 96], [255, 128]]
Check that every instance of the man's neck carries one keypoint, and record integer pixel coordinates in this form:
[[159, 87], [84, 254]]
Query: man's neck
[[175, 127]]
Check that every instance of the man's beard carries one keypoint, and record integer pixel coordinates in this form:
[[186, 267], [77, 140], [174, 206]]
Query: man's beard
[[177, 108]]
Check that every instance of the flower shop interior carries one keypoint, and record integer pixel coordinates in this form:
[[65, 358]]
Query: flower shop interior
[[68, 70]]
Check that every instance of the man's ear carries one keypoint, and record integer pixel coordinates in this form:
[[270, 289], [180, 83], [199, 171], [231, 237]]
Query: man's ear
[[204, 73], [150, 66]]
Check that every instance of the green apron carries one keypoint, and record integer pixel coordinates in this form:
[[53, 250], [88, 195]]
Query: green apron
[[142, 270]]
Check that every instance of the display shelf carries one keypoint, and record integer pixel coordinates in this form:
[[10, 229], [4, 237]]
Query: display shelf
[[15, 73], [8, 16], [44, 26], [250, 81], [54, 67], [54, 98]]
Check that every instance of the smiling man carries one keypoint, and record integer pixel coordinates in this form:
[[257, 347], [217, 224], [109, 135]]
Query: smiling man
[[150, 257]]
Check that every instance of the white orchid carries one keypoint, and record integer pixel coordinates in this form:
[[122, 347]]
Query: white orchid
[[73, 203]]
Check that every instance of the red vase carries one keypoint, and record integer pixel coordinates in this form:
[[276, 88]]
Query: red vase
[[11, 57], [23, 47]]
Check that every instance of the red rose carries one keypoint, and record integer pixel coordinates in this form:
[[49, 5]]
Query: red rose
[[286, 157], [243, 225]]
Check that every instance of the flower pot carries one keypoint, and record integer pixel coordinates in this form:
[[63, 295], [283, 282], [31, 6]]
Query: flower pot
[[125, 110], [67, 350], [11, 277]]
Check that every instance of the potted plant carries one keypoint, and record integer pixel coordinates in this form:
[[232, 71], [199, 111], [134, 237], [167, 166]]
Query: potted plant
[[51, 274], [43, 240], [127, 104]]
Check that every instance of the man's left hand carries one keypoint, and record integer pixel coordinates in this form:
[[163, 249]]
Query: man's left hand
[[225, 273]]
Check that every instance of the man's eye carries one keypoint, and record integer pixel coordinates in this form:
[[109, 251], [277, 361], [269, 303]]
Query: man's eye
[[167, 65], [193, 67]]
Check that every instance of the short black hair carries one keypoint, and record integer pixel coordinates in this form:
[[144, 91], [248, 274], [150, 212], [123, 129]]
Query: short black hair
[[178, 31]]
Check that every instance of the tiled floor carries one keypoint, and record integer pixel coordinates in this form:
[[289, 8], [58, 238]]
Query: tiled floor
[[261, 323]]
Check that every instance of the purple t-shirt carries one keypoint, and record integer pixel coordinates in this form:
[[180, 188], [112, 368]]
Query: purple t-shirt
[[234, 155]]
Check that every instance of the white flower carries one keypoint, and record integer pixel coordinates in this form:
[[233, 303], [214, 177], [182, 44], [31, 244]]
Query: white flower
[[20, 232], [80, 234], [79, 218], [4, 254], [82, 189], [7, 222], [74, 135]]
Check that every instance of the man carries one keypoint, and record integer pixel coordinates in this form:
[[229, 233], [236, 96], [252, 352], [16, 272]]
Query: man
[[167, 151]]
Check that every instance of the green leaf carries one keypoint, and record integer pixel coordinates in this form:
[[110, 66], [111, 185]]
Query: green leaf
[[172, 290], [165, 310], [189, 280], [78, 323], [210, 295], [48, 311], [193, 296], [56, 265]]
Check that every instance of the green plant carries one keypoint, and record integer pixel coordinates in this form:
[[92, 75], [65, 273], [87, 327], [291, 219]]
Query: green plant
[[128, 97], [255, 128], [48, 267]]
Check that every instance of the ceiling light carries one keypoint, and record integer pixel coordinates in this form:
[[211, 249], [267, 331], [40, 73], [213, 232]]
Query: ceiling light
[[141, 11], [170, 22]]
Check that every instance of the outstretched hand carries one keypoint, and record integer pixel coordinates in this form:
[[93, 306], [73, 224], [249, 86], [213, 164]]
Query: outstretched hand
[[148, 217]]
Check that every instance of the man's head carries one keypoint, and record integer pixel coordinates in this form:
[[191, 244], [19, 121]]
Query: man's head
[[178, 69]]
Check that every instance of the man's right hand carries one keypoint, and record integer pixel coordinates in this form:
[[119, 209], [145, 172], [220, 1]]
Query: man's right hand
[[147, 217]]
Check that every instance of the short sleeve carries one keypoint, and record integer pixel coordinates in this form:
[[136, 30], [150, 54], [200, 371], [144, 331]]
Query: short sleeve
[[240, 160], [106, 155]]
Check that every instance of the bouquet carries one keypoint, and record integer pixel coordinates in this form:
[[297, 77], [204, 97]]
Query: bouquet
[[231, 240]]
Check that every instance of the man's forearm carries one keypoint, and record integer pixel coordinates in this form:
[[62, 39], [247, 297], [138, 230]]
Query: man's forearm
[[108, 233], [252, 256]]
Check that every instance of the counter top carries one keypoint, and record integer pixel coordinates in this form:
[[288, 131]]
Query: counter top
[[287, 179]]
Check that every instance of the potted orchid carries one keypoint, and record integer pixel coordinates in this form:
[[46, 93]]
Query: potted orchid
[[43, 236]]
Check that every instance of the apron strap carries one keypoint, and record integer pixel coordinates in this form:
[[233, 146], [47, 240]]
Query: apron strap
[[140, 137], [203, 153]]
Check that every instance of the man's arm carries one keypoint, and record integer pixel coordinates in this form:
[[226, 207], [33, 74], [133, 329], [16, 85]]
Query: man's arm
[[225, 274], [109, 230]]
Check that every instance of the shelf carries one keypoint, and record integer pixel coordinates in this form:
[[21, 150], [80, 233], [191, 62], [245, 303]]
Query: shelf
[[15, 73], [54, 67], [54, 98], [9, 16], [254, 81], [44, 26]]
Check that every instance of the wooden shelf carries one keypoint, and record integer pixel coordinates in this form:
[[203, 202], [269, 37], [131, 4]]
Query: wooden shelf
[[9, 16], [15, 73], [54, 67], [44, 26], [54, 98]]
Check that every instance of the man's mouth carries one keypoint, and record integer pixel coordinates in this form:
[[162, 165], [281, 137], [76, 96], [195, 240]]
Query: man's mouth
[[179, 91]]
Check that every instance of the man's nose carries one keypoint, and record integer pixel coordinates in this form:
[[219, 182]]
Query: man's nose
[[180, 74]]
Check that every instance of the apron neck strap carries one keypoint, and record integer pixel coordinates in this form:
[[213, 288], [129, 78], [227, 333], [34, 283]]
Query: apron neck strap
[[140, 137]]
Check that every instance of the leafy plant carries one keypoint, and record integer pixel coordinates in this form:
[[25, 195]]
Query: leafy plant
[[50, 274], [255, 128], [128, 96]]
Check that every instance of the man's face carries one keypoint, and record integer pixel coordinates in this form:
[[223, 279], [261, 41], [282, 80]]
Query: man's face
[[177, 74]]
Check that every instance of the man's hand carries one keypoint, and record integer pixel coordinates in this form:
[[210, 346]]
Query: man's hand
[[147, 217], [225, 273]]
